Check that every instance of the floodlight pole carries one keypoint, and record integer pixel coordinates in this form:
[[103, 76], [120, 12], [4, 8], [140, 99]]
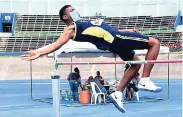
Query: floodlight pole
[[56, 88]]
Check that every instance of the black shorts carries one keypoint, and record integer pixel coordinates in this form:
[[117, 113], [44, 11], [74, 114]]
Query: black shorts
[[125, 42]]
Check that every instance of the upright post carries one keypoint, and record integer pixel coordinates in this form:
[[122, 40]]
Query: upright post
[[168, 77], [31, 79], [56, 89]]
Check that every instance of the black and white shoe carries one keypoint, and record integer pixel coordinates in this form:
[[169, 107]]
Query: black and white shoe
[[117, 100], [147, 85]]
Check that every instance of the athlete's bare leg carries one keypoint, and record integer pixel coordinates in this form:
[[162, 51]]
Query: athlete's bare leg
[[145, 83], [117, 96], [152, 54], [129, 74]]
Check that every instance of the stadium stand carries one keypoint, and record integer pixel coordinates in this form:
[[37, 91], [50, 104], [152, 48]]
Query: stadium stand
[[38, 23], [167, 37], [50, 23], [34, 31], [20, 44]]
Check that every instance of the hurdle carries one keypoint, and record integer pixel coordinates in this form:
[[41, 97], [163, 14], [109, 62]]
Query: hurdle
[[56, 78], [47, 99]]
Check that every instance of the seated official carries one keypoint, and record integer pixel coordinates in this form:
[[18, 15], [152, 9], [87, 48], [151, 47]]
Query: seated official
[[100, 77], [97, 80], [87, 82]]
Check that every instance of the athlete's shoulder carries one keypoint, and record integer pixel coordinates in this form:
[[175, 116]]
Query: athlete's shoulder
[[70, 27], [69, 30]]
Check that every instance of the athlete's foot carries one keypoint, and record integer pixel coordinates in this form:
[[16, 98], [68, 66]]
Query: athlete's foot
[[147, 85], [117, 100]]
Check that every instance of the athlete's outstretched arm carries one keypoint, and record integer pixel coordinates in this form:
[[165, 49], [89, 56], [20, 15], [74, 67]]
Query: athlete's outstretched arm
[[63, 39]]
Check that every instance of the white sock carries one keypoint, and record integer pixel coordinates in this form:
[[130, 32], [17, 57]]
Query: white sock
[[144, 79], [118, 93]]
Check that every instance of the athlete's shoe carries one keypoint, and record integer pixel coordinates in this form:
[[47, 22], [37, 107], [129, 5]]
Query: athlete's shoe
[[117, 100], [147, 85]]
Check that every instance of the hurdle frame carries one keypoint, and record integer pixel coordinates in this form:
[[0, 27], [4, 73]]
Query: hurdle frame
[[55, 98], [56, 81]]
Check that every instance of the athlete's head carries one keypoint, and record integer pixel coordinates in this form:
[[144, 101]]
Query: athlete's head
[[68, 14]]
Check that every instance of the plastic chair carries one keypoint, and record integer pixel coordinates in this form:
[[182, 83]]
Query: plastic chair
[[137, 95], [96, 95]]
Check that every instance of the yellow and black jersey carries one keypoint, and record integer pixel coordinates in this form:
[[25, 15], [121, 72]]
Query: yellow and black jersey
[[105, 37]]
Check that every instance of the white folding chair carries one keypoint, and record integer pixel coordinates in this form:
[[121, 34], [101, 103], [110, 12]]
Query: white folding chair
[[96, 95], [137, 95]]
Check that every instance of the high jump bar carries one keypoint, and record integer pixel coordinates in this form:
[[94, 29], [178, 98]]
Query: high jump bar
[[121, 62]]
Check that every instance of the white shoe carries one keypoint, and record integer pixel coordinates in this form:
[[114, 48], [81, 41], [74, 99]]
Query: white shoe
[[117, 100], [147, 85]]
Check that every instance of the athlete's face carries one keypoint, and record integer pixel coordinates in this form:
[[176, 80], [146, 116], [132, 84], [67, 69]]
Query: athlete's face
[[67, 15]]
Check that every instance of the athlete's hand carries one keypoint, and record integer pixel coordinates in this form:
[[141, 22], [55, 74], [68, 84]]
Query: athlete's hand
[[30, 55]]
